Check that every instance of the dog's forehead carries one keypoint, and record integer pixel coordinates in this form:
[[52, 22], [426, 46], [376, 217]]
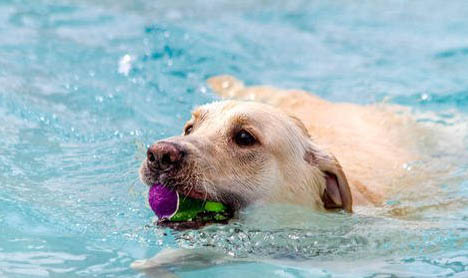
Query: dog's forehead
[[236, 110]]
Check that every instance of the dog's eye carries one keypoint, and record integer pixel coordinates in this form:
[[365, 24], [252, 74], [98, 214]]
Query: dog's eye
[[188, 129], [243, 138]]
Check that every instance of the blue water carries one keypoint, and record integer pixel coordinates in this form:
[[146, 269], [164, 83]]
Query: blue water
[[86, 85]]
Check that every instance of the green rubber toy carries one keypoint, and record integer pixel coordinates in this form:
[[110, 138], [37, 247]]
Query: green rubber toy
[[168, 205]]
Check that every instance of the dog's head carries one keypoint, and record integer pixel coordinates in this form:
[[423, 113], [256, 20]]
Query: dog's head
[[241, 153]]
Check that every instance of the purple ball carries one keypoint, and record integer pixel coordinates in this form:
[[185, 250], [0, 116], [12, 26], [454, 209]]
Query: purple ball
[[163, 201]]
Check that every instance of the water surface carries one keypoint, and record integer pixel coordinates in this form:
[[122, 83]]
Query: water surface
[[86, 85]]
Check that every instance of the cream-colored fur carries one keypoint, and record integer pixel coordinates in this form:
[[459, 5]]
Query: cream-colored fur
[[309, 152], [301, 138], [273, 170], [372, 143]]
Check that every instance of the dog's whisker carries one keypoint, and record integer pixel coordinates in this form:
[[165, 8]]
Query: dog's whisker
[[190, 191]]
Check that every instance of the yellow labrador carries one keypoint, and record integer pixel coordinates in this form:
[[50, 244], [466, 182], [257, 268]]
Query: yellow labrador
[[279, 146], [266, 145]]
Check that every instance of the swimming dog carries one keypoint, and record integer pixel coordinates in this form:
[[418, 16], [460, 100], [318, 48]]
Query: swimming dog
[[262, 145], [266, 145]]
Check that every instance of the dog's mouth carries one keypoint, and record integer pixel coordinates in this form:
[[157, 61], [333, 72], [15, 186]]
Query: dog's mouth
[[183, 207], [184, 180], [193, 193]]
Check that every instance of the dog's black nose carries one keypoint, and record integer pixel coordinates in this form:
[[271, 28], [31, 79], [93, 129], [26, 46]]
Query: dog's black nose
[[165, 155]]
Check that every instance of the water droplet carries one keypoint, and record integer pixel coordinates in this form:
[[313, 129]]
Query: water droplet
[[407, 167], [125, 64], [203, 89]]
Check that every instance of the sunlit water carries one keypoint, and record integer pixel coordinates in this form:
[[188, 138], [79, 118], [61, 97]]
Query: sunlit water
[[85, 85]]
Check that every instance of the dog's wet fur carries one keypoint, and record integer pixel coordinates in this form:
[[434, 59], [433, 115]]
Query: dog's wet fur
[[264, 145], [276, 162]]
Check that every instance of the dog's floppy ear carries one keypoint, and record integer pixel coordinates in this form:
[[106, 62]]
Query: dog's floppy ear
[[337, 194]]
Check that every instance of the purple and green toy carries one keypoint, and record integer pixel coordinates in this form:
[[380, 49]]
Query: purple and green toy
[[169, 206]]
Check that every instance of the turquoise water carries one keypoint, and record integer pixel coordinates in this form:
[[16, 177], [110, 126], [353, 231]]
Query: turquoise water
[[85, 85]]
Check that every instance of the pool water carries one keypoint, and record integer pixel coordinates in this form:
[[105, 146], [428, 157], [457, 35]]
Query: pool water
[[85, 86]]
